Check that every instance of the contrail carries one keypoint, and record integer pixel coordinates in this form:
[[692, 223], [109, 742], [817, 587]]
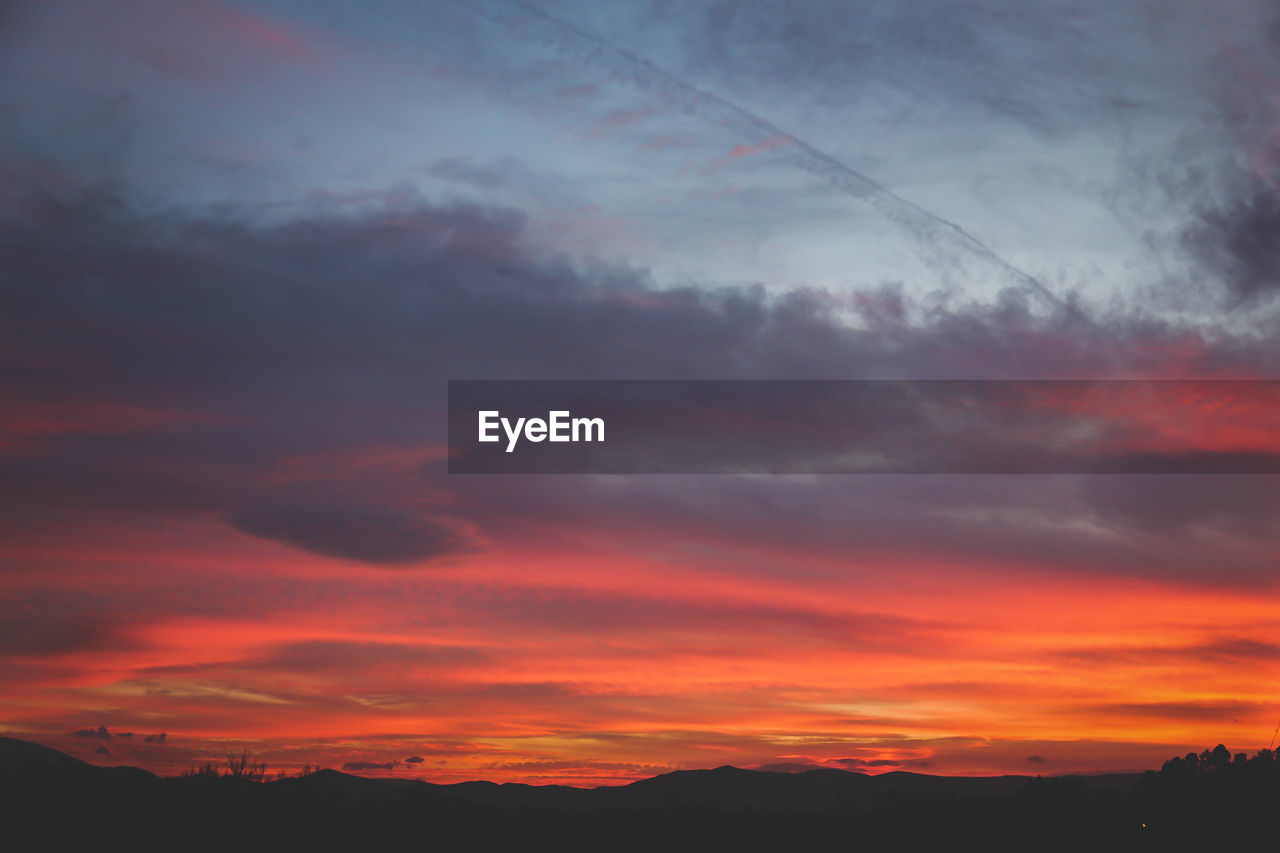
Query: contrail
[[942, 241]]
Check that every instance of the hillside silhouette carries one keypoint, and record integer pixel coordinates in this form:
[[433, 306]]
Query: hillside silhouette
[[1208, 798]]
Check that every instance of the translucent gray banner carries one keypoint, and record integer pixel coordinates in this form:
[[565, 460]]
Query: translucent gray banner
[[864, 427]]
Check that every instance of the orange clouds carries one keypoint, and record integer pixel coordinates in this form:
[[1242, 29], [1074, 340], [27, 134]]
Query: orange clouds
[[516, 677]]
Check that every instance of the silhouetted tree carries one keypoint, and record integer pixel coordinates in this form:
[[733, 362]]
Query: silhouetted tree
[[206, 770], [241, 767]]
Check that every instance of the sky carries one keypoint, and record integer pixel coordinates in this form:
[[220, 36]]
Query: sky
[[245, 245]]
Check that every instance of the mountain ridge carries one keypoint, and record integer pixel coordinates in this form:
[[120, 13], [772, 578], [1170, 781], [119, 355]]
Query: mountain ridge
[[727, 787], [1197, 798]]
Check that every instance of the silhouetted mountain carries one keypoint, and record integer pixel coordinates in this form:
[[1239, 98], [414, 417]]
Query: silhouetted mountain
[[817, 790], [22, 762], [1204, 798]]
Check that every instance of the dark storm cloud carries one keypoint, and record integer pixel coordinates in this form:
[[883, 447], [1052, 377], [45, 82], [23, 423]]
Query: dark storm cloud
[[337, 331], [1233, 235], [265, 322], [365, 534], [1240, 242]]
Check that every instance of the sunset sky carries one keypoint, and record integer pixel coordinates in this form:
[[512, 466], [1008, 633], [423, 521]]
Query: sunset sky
[[243, 246]]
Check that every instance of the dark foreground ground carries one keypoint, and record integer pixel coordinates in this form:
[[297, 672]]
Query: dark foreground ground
[[51, 801]]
